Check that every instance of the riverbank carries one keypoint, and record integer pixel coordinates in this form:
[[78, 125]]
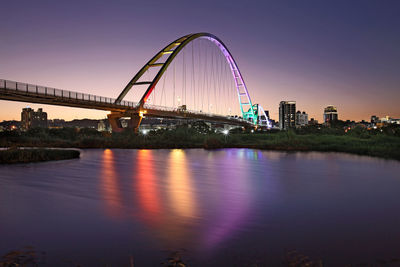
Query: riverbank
[[377, 146], [14, 155], [369, 143]]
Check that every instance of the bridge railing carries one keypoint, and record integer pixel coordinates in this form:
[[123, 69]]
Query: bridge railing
[[65, 94]]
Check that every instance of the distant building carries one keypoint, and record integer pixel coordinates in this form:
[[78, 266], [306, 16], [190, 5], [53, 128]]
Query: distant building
[[330, 114], [389, 120], [313, 121], [124, 123], [56, 123], [31, 119], [103, 126], [10, 125], [83, 123], [374, 119], [287, 115], [396, 121], [301, 119], [384, 119]]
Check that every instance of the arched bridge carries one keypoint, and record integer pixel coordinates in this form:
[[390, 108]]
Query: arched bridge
[[148, 77]]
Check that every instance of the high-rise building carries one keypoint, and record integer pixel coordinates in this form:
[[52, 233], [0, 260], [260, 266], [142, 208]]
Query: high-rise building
[[287, 115], [301, 119], [374, 119], [31, 119], [330, 114]]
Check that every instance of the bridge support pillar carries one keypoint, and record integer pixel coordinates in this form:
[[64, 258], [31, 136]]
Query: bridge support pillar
[[133, 123], [114, 120]]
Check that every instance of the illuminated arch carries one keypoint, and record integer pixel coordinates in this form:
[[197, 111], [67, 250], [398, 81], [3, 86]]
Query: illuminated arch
[[172, 50]]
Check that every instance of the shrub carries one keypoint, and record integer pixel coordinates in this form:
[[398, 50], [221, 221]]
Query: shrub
[[212, 143]]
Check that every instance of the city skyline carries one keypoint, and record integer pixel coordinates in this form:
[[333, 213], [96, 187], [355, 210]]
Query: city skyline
[[301, 121], [97, 49]]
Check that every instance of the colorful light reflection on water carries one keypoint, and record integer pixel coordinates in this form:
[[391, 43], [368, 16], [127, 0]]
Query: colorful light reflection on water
[[148, 192], [180, 188], [220, 206], [109, 185], [170, 203]]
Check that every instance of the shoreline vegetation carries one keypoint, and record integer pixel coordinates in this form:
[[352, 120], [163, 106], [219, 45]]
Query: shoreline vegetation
[[16, 155], [383, 143]]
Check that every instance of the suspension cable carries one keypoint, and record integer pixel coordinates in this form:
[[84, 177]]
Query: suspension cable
[[192, 85], [173, 95]]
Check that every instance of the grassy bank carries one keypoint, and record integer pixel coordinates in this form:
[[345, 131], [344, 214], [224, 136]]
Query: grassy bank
[[35, 155], [377, 146], [385, 144]]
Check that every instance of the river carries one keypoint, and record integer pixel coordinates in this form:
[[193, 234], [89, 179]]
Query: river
[[230, 207]]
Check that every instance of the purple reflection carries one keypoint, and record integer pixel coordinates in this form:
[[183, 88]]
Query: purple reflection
[[234, 200]]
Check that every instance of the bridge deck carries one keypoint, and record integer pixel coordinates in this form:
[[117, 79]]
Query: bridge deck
[[23, 92]]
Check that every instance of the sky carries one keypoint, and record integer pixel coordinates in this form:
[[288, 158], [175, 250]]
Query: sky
[[317, 53]]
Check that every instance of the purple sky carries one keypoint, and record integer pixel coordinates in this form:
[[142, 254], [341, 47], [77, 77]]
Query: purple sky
[[345, 53]]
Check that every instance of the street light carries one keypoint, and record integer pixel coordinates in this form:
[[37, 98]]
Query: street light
[[225, 132]]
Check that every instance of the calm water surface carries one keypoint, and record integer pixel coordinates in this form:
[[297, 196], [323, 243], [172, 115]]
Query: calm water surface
[[232, 207]]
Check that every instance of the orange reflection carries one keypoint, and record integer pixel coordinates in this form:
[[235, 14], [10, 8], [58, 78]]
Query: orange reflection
[[147, 185], [109, 184], [180, 188]]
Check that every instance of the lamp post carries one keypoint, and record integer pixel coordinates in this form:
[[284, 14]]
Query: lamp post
[[225, 132], [145, 132]]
